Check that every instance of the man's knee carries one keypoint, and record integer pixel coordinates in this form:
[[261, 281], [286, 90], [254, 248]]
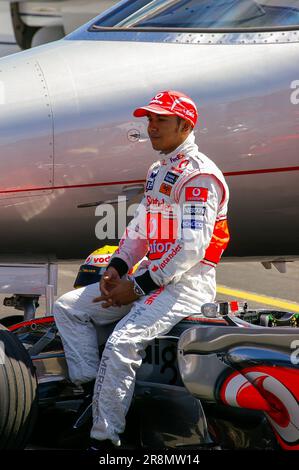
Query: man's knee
[[63, 304]]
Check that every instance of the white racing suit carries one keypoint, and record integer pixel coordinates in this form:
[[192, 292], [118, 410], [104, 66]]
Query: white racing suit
[[178, 279]]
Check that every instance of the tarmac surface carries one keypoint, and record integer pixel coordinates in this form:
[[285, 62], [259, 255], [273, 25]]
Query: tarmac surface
[[244, 278]]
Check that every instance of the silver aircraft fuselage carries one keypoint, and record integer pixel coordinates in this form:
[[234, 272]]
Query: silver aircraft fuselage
[[68, 137]]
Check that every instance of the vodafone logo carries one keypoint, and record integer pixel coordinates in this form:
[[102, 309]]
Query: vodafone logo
[[159, 247], [196, 194], [101, 260], [157, 99]]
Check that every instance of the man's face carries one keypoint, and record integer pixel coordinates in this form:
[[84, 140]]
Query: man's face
[[165, 132]]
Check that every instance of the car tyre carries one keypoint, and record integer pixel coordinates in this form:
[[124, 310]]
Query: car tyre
[[18, 392]]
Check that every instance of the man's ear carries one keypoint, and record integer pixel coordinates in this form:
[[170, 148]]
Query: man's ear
[[186, 126]]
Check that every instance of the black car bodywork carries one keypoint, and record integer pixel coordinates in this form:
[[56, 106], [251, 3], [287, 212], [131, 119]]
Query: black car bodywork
[[189, 391]]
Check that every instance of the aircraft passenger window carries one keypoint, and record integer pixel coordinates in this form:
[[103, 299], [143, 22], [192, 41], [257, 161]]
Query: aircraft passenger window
[[202, 14]]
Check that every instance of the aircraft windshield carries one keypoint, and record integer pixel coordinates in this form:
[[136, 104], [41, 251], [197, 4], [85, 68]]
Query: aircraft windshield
[[201, 14]]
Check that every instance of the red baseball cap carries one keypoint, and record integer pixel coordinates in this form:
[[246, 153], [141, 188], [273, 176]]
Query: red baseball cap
[[170, 103]]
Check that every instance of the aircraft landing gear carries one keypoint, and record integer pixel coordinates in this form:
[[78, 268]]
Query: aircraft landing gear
[[27, 303]]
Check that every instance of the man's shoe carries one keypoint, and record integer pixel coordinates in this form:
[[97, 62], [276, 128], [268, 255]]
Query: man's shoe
[[96, 446]]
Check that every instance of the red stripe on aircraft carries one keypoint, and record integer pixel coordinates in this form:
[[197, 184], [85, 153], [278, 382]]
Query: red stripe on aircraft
[[113, 183], [265, 170], [71, 186]]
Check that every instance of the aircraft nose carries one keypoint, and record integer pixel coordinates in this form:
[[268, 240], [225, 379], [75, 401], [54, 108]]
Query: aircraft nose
[[26, 127]]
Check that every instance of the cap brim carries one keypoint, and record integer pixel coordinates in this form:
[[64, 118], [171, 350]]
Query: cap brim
[[141, 112]]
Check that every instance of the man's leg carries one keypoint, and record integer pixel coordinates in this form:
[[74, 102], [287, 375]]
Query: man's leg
[[150, 317], [74, 314]]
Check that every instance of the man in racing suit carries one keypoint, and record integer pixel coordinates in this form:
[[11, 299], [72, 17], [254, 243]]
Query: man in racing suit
[[181, 224]]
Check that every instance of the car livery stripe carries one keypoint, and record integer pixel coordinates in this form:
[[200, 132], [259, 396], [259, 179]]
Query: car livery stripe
[[36, 321]]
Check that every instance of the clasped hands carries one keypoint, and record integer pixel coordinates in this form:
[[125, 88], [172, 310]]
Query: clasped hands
[[114, 290]]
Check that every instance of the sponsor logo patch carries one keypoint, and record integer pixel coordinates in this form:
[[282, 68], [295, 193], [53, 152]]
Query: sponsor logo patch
[[170, 177], [158, 203], [171, 255], [154, 173], [193, 209], [178, 157], [193, 224], [149, 185], [154, 295], [151, 180], [177, 170], [196, 194], [157, 247], [165, 189], [183, 164], [102, 260]]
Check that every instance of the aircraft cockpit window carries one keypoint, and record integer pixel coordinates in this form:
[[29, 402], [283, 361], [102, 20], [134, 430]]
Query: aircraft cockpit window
[[121, 11], [202, 14]]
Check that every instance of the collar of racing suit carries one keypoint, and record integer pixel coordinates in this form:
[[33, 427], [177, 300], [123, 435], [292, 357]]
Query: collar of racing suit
[[188, 143]]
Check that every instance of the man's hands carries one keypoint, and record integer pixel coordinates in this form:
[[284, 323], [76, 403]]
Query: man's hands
[[109, 280], [115, 291]]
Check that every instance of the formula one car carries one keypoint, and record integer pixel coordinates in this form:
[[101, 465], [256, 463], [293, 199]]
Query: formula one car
[[224, 378], [210, 383]]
